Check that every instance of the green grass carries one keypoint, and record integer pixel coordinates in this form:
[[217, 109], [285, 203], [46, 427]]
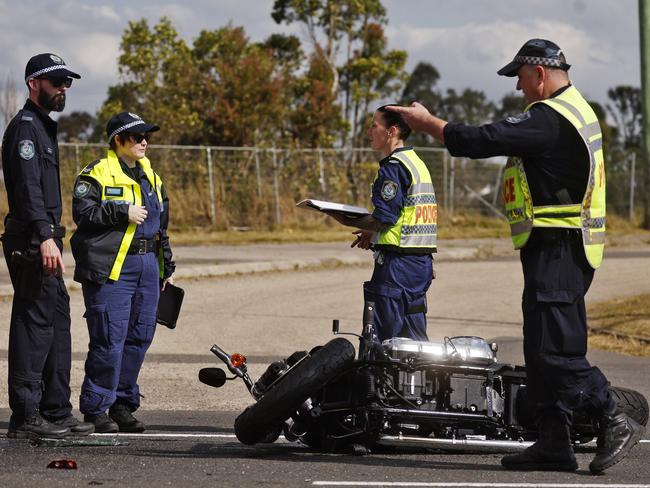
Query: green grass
[[629, 316]]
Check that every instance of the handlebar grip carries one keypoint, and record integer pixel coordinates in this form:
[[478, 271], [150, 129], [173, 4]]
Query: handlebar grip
[[369, 313]]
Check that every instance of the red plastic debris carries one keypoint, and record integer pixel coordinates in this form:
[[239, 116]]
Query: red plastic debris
[[63, 464]]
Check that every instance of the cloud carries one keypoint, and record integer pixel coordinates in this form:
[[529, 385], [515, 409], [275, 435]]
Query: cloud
[[468, 55], [467, 40]]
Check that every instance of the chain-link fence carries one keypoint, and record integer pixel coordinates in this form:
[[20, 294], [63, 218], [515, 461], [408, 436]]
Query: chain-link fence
[[226, 187]]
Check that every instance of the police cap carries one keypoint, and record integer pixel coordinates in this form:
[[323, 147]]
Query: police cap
[[127, 122], [48, 65], [536, 51]]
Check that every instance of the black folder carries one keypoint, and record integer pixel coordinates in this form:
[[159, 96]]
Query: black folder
[[169, 305]]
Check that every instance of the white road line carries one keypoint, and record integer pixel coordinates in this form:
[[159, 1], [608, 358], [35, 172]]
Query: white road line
[[171, 436], [476, 485], [215, 435]]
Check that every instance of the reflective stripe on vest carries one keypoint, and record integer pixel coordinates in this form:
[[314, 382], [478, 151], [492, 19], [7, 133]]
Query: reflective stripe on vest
[[417, 225], [588, 216], [110, 176]]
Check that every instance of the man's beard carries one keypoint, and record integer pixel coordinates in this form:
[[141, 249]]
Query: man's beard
[[53, 103]]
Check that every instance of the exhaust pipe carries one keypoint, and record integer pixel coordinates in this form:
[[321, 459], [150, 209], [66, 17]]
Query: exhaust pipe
[[453, 444]]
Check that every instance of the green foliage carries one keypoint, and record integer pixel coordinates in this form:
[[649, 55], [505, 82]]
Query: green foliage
[[76, 127], [627, 112], [470, 107]]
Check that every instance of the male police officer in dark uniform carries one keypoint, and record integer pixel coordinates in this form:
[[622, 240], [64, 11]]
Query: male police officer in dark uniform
[[554, 192], [39, 337]]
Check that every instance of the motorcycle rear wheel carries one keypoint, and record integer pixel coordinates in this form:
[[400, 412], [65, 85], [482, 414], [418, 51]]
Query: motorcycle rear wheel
[[279, 403]]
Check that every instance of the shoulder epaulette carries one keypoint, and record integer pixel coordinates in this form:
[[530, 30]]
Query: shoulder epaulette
[[89, 167]]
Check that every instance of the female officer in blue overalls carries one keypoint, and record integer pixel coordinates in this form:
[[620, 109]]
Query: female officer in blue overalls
[[402, 230], [123, 259]]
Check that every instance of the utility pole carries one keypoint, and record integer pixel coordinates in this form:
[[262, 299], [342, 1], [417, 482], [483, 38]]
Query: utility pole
[[644, 34]]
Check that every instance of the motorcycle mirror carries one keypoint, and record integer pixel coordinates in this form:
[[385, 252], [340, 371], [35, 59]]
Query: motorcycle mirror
[[214, 377], [335, 326]]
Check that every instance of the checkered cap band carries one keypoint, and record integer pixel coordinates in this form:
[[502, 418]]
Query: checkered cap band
[[556, 63], [46, 70], [125, 127]]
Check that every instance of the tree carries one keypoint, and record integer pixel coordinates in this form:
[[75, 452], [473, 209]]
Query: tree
[[626, 111], [156, 71], [372, 74], [243, 88], [76, 126], [470, 107], [511, 104], [420, 87], [8, 101], [328, 22]]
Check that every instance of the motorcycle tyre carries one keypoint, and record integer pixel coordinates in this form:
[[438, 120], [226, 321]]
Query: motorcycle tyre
[[633, 403], [278, 404]]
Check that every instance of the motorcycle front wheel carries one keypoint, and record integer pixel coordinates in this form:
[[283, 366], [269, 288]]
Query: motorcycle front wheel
[[278, 404]]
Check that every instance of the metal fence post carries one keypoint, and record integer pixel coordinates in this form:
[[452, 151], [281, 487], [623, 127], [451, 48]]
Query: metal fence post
[[257, 173], [213, 211], [76, 156], [276, 186], [445, 156], [452, 174], [497, 185], [321, 175], [632, 183]]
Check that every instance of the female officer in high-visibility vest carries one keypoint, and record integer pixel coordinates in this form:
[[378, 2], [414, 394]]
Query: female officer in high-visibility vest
[[123, 259], [402, 230]]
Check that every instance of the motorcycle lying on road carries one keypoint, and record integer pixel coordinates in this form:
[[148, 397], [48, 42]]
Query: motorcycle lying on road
[[450, 395]]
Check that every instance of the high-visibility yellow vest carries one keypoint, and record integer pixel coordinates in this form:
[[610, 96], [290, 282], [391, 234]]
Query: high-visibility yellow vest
[[416, 228], [118, 187], [588, 216]]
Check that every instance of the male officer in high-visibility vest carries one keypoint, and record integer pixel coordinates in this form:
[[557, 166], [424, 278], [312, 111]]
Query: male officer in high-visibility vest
[[554, 192], [402, 230]]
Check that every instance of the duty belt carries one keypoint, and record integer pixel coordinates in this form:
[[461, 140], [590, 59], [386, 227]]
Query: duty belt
[[14, 226], [142, 246]]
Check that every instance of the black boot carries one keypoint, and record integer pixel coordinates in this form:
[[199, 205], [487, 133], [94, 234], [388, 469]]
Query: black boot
[[76, 427], [102, 422], [551, 452], [35, 426], [121, 413], [617, 434]]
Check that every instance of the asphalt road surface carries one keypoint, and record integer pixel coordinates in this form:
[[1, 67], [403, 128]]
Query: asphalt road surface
[[190, 441]]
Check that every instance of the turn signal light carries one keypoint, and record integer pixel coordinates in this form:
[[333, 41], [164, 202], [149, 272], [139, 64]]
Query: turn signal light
[[237, 360]]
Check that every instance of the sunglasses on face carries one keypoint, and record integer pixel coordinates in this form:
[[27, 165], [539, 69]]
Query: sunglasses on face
[[57, 82], [138, 138]]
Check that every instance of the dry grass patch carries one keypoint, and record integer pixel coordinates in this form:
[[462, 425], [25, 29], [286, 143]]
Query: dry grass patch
[[610, 321]]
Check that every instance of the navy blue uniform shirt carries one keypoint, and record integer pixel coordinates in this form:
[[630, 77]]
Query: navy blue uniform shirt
[[30, 162], [389, 189], [554, 155], [151, 225]]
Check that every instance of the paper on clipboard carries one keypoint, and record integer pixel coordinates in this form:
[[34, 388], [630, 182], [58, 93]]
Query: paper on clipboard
[[323, 206]]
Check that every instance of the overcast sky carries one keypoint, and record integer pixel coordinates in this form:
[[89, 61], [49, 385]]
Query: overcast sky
[[466, 40]]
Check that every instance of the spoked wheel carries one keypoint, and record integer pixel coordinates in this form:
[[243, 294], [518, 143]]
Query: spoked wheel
[[255, 423]]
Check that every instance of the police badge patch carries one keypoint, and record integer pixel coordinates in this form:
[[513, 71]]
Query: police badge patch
[[82, 189], [388, 190], [515, 119], [56, 59], [26, 149]]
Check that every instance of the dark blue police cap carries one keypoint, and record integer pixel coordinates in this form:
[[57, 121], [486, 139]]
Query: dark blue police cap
[[49, 65], [127, 122], [536, 51]]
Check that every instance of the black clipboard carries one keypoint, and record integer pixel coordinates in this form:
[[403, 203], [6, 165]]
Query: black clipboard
[[169, 305]]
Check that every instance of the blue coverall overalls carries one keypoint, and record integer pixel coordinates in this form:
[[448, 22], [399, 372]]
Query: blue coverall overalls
[[121, 317], [399, 281]]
